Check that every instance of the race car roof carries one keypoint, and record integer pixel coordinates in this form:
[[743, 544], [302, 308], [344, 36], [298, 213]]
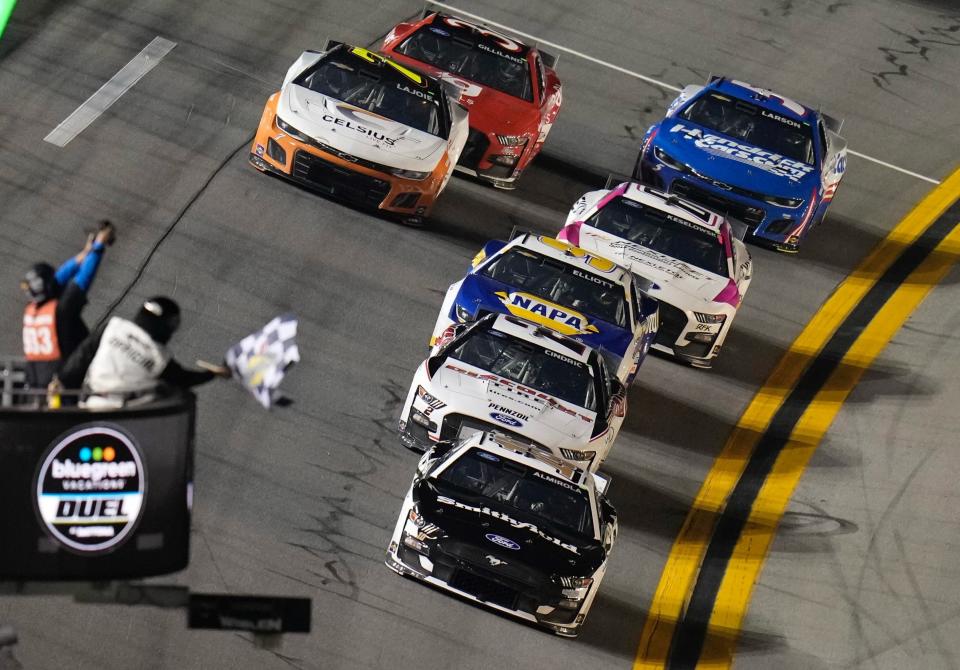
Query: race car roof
[[673, 205], [530, 455], [763, 97], [389, 69], [475, 34], [577, 257], [543, 336]]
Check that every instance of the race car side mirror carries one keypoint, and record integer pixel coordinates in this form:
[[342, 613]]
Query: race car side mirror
[[740, 229], [834, 125], [602, 483]]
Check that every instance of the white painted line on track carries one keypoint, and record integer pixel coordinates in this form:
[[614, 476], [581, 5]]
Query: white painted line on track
[[637, 75], [558, 47], [891, 166], [110, 92]]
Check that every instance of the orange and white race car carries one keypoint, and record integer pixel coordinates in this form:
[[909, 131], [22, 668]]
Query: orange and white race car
[[350, 123]]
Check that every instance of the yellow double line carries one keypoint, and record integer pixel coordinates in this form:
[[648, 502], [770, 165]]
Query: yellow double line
[[683, 565]]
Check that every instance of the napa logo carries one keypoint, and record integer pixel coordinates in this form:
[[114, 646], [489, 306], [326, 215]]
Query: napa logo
[[546, 313]]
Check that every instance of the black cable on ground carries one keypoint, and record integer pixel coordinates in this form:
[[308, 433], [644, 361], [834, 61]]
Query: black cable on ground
[[183, 211]]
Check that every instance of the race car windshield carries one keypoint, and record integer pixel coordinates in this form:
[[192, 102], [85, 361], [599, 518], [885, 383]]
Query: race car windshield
[[563, 284], [542, 498], [754, 125], [528, 364], [376, 91], [662, 232], [479, 61]]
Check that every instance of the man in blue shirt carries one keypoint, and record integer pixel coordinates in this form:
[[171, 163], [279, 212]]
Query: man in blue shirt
[[52, 323]]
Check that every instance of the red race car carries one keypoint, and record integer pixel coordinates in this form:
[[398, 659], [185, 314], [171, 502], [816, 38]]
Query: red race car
[[511, 89]]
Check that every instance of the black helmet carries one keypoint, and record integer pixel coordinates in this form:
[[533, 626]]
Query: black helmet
[[40, 282], [160, 317]]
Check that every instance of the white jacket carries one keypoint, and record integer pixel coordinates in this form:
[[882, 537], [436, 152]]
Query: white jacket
[[128, 360]]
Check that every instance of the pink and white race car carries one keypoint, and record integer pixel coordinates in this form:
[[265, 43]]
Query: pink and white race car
[[688, 256]]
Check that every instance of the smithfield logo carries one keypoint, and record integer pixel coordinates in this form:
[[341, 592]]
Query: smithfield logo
[[91, 488], [561, 319], [502, 541], [505, 419]]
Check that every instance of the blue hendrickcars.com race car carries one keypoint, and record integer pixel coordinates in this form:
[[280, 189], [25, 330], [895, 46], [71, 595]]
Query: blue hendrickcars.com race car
[[751, 154]]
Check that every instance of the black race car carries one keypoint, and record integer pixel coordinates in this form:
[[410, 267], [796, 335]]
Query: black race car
[[508, 525]]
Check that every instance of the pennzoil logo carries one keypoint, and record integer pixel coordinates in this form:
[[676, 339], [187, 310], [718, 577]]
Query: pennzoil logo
[[91, 488], [562, 319]]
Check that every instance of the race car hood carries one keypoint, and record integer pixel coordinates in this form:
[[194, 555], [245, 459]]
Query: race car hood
[[472, 391], [677, 282], [733, 162], [490, 110], [358, 132], [482, 293], [474, 528]]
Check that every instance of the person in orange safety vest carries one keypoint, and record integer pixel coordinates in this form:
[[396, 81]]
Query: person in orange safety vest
[[52, 322]]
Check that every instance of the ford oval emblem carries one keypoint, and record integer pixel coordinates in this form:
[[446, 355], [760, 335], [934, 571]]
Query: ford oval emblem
[[506, 419], [502, 541]]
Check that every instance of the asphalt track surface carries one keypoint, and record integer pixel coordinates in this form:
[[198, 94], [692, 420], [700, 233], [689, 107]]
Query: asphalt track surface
[[301, 501]]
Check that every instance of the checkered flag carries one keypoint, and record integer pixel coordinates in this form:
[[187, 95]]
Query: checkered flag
[[260, 360]]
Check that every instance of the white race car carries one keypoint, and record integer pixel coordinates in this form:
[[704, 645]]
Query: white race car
[[354, 124], [503, 373], [509, 526], [692, 262]]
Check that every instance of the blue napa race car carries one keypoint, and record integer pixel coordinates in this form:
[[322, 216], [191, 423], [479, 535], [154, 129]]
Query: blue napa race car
[[753, 155], [560, 286]]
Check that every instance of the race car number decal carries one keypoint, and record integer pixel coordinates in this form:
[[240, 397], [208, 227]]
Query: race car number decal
[[794, 107], [596, 262], [502, 40], [372, 57], [546, 313], [467, 89]]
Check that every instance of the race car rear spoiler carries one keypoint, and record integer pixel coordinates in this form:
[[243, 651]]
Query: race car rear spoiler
[[548, 59], [832, 124]]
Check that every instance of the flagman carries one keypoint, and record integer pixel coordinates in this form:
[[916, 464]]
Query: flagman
[[52, 323], [124, 361]]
